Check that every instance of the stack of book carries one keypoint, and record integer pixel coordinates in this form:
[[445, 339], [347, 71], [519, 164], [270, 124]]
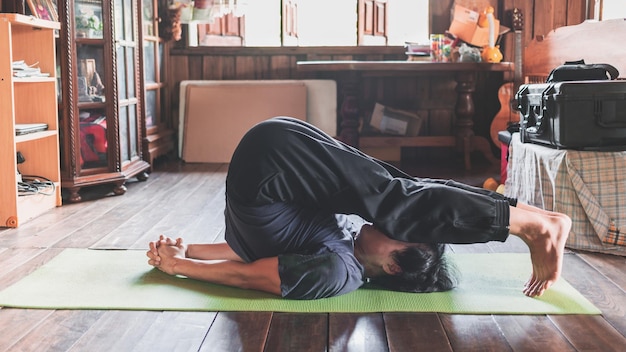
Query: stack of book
[[21, 69], [417, 51]]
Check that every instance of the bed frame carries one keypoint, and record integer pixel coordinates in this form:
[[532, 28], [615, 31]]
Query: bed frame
[[593, 41]]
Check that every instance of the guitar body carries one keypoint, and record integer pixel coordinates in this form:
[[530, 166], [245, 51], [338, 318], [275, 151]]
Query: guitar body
[[506, 93], [505, 115]]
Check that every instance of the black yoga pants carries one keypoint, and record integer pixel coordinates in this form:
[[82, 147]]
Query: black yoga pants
[[287, 160]]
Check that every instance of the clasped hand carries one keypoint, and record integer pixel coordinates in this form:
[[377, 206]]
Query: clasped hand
[[165, 253]]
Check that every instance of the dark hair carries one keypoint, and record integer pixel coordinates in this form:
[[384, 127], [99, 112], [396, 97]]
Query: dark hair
[[424, 269]]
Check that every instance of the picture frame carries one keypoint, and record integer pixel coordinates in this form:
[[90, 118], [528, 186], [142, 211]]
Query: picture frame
[[87, 69], [54, 7], [43, 9]]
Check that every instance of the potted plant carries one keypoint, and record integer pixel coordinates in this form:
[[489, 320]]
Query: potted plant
[[88, 25]]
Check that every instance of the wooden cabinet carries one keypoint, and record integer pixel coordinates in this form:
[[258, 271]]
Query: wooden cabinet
[[159, 139], [28, 100], [102, 119]]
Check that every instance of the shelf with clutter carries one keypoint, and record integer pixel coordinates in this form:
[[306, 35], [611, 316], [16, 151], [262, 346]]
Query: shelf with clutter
[[29, 150], [472, 36]]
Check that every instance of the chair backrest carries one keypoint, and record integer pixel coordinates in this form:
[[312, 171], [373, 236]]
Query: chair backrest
[[214, 115]]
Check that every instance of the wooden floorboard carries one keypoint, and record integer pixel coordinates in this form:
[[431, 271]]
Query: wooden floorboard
[[176, 331], [607, 296], [356, 332], [128, 327], [16, 324], [590, 333], [305, 332], [238, 331], [532, 333], [474, 333], [165, 213], [611, 266], [187, 200], [60, 330], [407, 330]]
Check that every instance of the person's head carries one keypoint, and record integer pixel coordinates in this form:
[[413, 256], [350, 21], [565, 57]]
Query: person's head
[[422, 268], [401, 266]]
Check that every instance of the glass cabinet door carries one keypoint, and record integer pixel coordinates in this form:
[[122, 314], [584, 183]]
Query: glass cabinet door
[[126, 42], [159, 138], [91, 86], [153, 56]]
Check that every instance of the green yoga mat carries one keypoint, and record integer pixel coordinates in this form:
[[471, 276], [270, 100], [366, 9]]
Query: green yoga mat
[[122, 279]]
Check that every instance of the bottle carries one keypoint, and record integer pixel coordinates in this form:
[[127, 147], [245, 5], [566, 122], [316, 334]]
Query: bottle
[[436, 47]]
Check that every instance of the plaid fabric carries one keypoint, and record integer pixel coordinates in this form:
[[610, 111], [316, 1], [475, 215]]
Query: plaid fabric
[[590, 187], [614, 236]]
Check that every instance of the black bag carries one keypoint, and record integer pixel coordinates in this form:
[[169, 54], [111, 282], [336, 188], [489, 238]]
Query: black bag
[[579, 71], [583, 115]]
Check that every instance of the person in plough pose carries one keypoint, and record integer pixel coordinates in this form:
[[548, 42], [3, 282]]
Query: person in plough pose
[[291, 194]]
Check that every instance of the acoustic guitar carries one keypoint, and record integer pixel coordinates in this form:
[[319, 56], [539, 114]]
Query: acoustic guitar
[[506, 94]]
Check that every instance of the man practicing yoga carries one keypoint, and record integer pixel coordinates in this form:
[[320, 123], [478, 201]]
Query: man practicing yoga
[[288, 185]]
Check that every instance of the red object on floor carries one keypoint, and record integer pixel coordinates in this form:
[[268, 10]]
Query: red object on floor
[[505, 139]]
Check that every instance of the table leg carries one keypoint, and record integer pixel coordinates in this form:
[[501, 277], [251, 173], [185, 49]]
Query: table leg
[[349, 129], [349, 109], [348, 88], [467, 141]]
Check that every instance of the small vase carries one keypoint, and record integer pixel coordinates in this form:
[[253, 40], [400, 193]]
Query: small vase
[[82, 33]]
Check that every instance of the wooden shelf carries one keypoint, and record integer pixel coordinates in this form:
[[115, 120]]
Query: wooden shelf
[[19, 19], [35, 135], [33, 79], [27, 100]]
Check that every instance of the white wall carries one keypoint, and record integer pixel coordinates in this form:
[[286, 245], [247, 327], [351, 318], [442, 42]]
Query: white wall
[[263, 23], [327, 22], [613, 9], [408, 21]]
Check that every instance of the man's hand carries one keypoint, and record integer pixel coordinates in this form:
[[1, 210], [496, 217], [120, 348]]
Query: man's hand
[[216, 263], [165, 253]]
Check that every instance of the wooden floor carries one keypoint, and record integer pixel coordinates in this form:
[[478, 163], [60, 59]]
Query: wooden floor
[[187, 200]]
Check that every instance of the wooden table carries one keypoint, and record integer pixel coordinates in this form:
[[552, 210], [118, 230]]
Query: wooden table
[[465, 75]]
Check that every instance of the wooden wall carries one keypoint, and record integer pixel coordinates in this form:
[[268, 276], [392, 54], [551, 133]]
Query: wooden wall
[[540, 17], [433, 97], [429, 96]]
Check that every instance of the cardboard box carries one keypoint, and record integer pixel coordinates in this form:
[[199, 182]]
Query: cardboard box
[[465, 27], [395, 122]]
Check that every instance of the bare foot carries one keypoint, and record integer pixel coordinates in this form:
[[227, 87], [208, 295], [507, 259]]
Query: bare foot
[[545, 234]]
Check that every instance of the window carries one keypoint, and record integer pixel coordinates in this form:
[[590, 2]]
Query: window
[[227, 30], [372, 22], [290, 22], [612, 9], [317, 23]]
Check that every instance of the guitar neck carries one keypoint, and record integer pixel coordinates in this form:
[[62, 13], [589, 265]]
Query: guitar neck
[[517, 78]]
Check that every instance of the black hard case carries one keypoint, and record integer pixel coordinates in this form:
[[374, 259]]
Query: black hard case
[[584, 115]]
